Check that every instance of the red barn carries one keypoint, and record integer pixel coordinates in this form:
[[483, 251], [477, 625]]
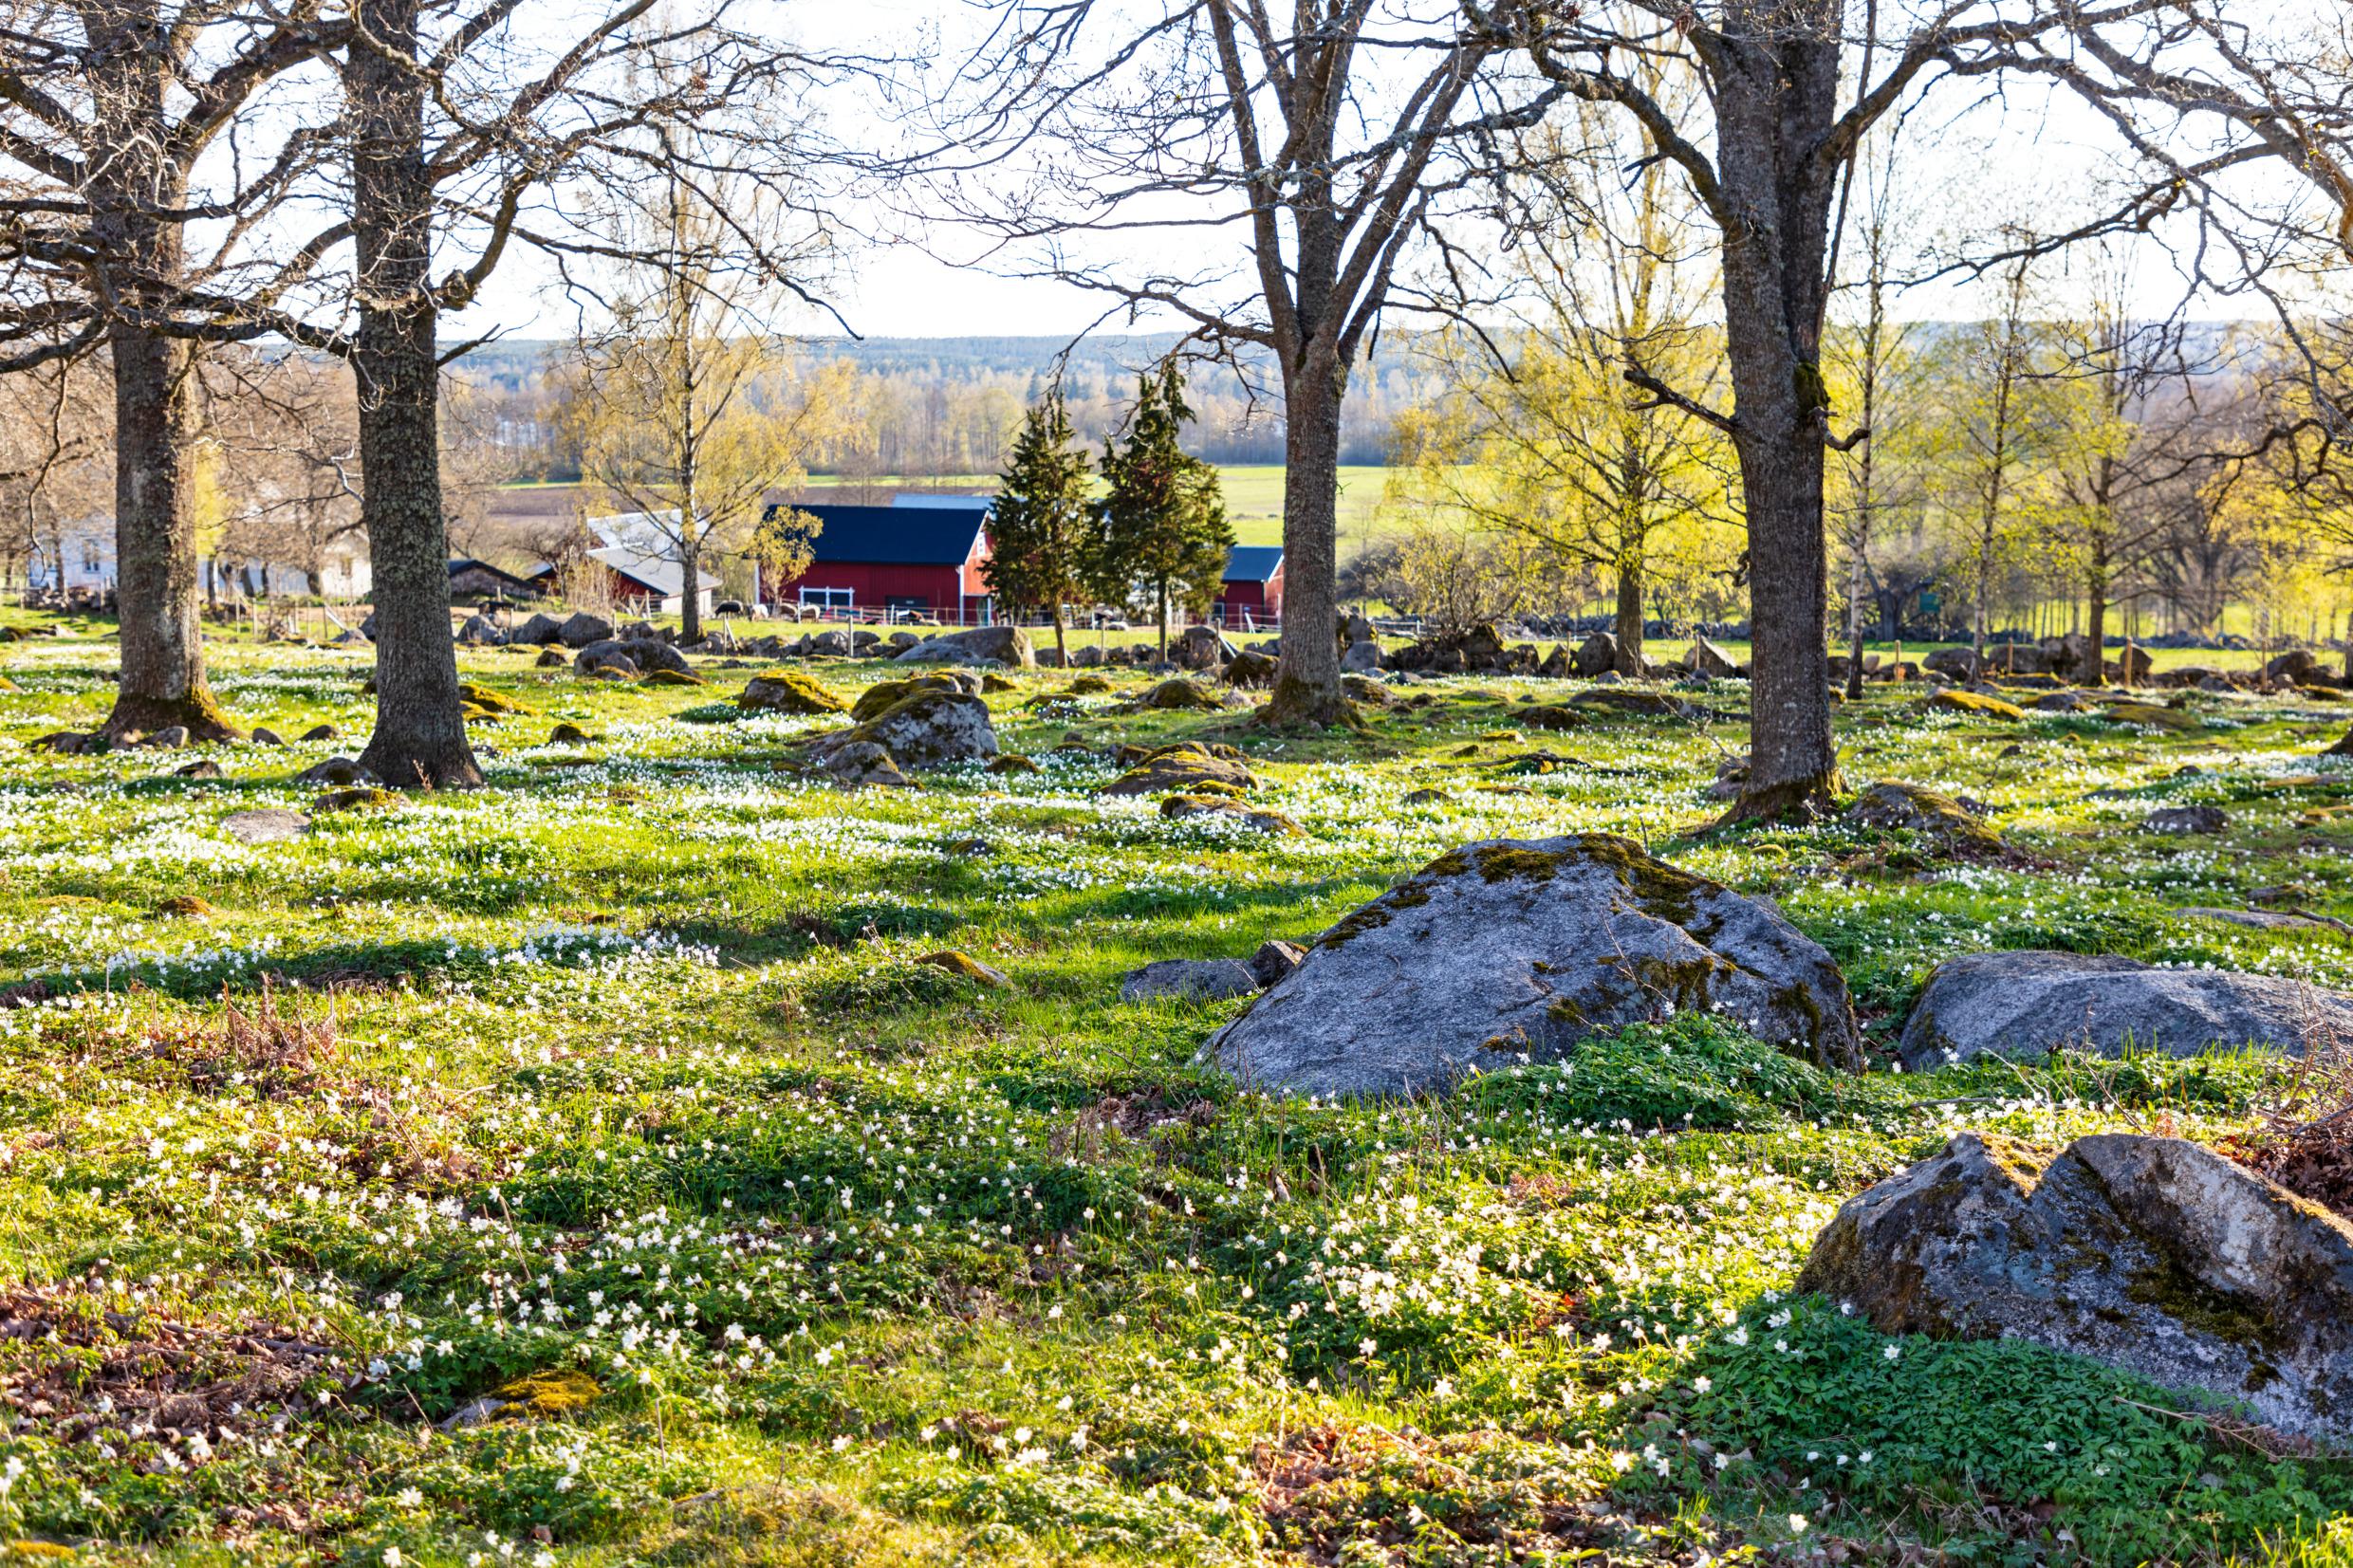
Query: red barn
[[1253, 591], [922, 553]]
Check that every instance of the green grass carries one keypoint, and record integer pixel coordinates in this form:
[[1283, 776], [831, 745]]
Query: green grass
[[618, 1086]]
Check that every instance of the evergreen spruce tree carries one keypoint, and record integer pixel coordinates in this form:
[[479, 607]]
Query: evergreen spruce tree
[[1041, 529], [1164, 522]]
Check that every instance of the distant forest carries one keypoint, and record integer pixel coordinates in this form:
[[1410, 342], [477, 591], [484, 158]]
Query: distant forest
[[945, 407]]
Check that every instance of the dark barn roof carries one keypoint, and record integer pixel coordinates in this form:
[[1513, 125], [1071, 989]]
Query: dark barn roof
[[462, 565], [1252, 562], [892, 536]]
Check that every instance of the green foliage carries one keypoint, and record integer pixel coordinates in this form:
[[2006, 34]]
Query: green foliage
[[1044, 531], [1694, 1071], [1165, 537], [1886, 1422]]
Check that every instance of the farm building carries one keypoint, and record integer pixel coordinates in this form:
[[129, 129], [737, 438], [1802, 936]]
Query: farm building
[[472, 578], [1252, 590], [641, 550], [920, 554], [79, 559]]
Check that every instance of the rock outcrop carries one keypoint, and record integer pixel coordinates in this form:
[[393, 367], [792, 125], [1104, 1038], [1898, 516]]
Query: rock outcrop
[[2027, 1004], [1007, 645], [1507, 949], [2151, 1254], [931, 729]]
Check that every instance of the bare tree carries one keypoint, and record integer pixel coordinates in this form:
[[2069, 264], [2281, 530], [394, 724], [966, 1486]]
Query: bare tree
[[681, 397], [1767, 151], [1537, 433], [1325, 133], [110, 112], [461, 142]]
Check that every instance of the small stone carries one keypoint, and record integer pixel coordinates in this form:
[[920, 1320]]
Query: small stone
[[1189, 980], [1274, 961], [266, 737], [965, 967], [2186, 818], [205, 769], [321, 733], [269, 825]]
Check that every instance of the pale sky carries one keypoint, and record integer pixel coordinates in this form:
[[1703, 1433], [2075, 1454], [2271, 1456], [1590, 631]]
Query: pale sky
[[2040, 151]]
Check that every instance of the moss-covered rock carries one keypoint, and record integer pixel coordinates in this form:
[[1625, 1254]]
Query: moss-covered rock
[[1913, 808], [1187, 767], [787, 691], [929, 728], [487, 700], [1184, 807], [2151, 1254], [2148, 716], [1976, 705], [883, 695], [1178, 695], [673, 678], [956, 962], [1512, 949], [1013, 762], [549, 1395]]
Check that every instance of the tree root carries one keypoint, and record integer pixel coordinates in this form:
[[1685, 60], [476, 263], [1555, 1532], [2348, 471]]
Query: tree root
[[1296, 703], [406, 767], [200, 713], [1794, 800]]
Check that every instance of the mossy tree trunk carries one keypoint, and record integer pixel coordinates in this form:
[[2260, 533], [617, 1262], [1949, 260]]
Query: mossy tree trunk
[[420, 728], [133, 193]]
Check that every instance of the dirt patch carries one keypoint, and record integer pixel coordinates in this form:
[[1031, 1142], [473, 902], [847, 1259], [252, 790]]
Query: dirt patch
[[1337, 1493], [83, 1373], [1133, 1115]]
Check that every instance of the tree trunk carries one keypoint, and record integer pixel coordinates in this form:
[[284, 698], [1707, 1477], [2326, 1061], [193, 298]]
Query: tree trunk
[[1854, 628], [690, 593], [1163, 621], [1306, 682], [157, 596], [420, 727], [1774, 112], [156, 592], [1629, 620], [2096, 629]]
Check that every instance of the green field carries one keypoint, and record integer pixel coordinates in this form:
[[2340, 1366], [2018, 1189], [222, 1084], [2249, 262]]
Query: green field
[[591, 1170]]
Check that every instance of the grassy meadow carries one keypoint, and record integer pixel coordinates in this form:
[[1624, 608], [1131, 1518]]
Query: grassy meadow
[[588, 1170]]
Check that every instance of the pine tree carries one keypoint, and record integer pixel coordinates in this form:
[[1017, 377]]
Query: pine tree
[[1041, 530], [1164, 522]]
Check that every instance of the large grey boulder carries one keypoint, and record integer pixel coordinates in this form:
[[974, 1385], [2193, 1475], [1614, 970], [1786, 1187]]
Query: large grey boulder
[[583, 629], [1952, 663], [2151, 1254], [980, 645], [931, 729], [1510, 947], [641, 654], [1201, 648], [1596, 654], [539, 630], [1361, 658], [2028, 1004]]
